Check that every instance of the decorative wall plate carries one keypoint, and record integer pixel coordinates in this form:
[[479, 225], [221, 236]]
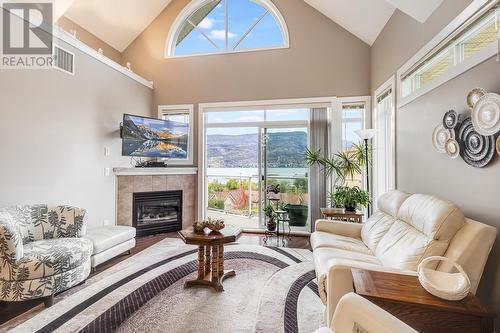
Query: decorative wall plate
[[450, 119], [474, 96], [452, 148], [440, 136], [486, 115], [476, 150], [498, 146]]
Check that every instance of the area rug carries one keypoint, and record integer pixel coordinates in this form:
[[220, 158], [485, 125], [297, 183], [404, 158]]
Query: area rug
[[274, 290]]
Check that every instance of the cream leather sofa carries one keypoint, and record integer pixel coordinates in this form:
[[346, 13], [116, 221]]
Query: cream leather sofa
[[355, 311], [406, 229]]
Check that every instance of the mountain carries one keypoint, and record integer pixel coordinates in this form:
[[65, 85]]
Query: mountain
[[142, 129], [286, 149]]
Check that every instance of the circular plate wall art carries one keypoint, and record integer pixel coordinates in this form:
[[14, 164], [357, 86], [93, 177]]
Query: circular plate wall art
[[476, 150], [440, 136], [498, 146], [474, 96], [452, 148], [450, 119], [486, 115]]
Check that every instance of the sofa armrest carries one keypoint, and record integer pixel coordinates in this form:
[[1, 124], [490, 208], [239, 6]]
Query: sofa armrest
[[70, 221], [339, 282], [356, 310], [11, 243], [347, 229]]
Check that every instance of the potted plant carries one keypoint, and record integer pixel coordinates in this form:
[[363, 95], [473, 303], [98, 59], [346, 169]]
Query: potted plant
[[298, 213], [350, 197], [271, 217], [343, 167]]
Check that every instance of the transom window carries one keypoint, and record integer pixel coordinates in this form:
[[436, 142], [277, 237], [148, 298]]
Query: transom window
[[221, 26], [466, 42]]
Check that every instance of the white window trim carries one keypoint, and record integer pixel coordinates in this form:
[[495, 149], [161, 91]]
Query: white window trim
[[166, 109], [203, 108], [335, 126], [195, 4], [456, 70], [389, 84]]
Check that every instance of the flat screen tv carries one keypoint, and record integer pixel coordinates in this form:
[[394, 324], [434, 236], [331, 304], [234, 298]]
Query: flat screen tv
[[151, 137]]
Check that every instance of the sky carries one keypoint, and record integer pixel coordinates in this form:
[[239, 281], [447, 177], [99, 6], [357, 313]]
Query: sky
[[242, 14], [353, 121]]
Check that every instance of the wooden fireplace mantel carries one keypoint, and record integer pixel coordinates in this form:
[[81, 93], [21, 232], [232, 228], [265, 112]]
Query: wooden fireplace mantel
[[155, 171]]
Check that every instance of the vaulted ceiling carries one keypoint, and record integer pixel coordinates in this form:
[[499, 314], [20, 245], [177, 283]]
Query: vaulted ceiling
[[363, 18], [367, 18]]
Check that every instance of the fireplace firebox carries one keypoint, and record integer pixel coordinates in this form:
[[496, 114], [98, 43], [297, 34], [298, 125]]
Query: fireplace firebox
[[157, 212]]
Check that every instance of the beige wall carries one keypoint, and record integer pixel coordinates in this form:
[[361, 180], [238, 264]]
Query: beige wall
[[90, 39], [419, 167], [323, 60], [54, 128]]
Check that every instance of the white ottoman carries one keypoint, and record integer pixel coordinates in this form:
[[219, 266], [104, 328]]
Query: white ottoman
[[110, 241]]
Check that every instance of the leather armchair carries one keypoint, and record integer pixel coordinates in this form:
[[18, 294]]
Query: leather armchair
[[405, 230], [42, 251], [355, 311]]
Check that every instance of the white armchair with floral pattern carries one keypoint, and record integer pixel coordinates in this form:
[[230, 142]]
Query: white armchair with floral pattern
[[42, 251]]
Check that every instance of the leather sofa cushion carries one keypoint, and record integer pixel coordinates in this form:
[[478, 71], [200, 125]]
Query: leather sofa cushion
[[436, 218], [325, 257], [377, 225], [390, 202], [107, 237], [403, 247], [375, 228], [326, 239], [49, 257]]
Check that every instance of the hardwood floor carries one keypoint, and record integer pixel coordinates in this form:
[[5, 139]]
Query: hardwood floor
[[9, 310]]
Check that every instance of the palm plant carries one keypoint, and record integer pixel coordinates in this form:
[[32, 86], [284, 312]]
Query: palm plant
[[344, 166]]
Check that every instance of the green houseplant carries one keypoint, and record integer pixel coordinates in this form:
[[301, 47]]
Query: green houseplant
[[349, 197], [343, 167], [271, 216]]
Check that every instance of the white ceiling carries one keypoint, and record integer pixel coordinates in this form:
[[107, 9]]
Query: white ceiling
[[117, 22], [367, 18], [363, 18], [420, 10]]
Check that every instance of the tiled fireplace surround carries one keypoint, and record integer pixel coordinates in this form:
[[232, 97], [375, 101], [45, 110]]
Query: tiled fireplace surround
[[128, 184]]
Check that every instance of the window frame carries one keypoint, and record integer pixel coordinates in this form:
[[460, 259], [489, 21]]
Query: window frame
[[195, 5], [460, 24], [180, 109], [390, 174]]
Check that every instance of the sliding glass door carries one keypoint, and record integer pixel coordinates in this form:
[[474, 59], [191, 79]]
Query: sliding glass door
[[245, 152], [284, 165]]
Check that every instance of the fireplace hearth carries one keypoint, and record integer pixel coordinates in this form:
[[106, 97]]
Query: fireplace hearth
[[157, 212]]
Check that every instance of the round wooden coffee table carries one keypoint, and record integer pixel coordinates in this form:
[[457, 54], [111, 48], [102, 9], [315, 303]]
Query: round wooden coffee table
[[210, 255]]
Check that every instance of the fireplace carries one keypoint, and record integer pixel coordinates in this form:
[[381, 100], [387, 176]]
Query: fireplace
[[157, 212]]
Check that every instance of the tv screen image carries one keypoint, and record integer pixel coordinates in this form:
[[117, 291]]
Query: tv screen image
[[150, 137]]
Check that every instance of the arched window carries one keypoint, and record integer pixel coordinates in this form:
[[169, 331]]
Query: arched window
[[222, 26]]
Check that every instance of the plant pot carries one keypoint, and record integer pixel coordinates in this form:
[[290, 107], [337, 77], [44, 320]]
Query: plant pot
[[298, 215], [350, 209], [271, 225]]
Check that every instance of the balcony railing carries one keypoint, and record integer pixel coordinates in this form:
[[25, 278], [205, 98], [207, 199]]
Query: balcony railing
[[239, 195]]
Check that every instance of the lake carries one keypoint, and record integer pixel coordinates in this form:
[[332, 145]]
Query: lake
[[247, 172]]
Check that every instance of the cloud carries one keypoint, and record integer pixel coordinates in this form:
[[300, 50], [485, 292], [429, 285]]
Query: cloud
[[221, 34], [207, 23]]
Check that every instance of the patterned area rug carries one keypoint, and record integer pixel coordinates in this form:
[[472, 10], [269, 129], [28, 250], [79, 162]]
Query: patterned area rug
[[274, 290]]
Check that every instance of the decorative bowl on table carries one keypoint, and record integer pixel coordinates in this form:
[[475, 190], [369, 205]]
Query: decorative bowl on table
[[199, 226], [215, 224], [212, 224]]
